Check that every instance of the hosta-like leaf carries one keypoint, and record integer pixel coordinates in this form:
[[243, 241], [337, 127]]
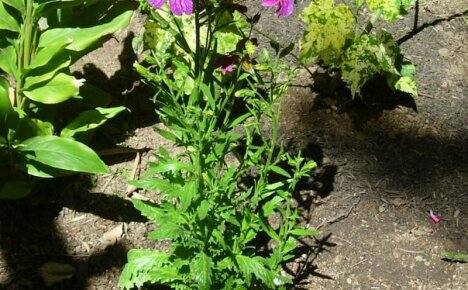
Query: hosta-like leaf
[[17, 4], [62, 153], [7, 21], [390, 9], [8, 61], [328, 27], [45, 54], [89, 120], [79, 39], [59, 89]]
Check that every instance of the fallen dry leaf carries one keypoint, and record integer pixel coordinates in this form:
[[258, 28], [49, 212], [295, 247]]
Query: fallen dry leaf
[[53, 273], [113, 236]]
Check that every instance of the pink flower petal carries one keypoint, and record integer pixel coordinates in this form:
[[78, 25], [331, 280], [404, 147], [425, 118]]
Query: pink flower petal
[[435, 218]]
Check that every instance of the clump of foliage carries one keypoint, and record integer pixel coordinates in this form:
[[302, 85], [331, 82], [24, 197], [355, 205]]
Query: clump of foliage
[[211, 218], [335, 37], [39, 40]]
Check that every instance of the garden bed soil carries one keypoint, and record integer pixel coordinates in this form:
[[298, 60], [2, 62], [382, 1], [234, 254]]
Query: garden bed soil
[[378, 175]]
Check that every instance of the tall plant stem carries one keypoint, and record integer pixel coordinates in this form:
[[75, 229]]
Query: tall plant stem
[[25, 50]]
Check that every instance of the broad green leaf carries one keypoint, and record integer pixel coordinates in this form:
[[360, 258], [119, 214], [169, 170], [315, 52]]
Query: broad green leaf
[[31, 127], [17, 4], [34, 168], [201, 269], [89, 120], [6, 107], [15, 189], [45, 54], [7, 21], [143, 266], [8, 61], [255, 266], [59, 89], [360, 62], [407, 85], [390, 9], [39, 76], [328, 27], [79, 39], [62, 153]]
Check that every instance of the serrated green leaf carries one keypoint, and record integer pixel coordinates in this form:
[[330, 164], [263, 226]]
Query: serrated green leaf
[[201, 269], [163, 186], [62, 153], [145, 266], [59, 89], [328, 27], [203, 209], [7, 21], [167, 231], [255, 266], [89, 120]]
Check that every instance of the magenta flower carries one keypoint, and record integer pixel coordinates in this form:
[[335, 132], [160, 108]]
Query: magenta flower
[[178, 7], [285, 7]]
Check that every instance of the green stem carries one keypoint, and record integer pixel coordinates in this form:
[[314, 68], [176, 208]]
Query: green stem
[[25, 51]]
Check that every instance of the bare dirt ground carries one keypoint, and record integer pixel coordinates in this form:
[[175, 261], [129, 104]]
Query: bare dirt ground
[[376, 179]]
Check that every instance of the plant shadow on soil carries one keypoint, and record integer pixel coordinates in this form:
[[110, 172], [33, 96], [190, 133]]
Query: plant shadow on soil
[[30, 238]]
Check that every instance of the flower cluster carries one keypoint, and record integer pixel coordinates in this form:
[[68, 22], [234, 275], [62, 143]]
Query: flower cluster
[[179, 7]]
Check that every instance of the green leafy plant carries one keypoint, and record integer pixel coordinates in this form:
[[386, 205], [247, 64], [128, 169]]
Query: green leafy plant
[[460, 257], [335, 37], [39, 40], [231, 186]]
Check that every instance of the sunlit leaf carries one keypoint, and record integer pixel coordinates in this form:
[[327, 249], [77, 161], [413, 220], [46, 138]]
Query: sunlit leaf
[[328, 27], [59, 89], [7, 21], [62, 153]]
